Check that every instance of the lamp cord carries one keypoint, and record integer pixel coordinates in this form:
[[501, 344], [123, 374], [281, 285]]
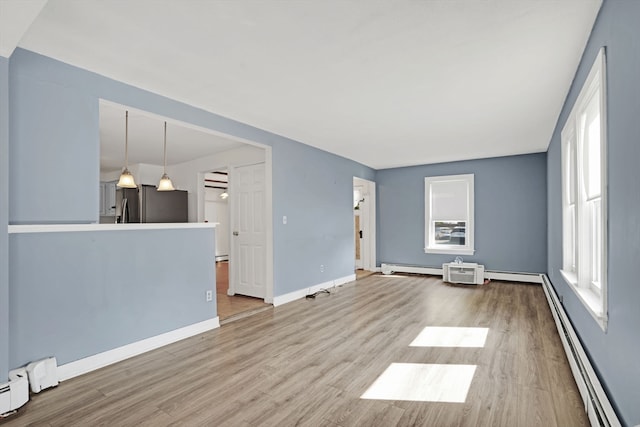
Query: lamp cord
[[164, 168], [126, 140]]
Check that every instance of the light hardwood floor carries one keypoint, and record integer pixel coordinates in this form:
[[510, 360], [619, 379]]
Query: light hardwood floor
[[309, 361], [233, 307]]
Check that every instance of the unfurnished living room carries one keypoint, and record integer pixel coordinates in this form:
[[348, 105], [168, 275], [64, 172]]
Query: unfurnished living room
[[319, 213]]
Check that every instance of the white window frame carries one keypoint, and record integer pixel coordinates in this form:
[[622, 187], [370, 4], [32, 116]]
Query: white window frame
[[584, 216], [430, 246]]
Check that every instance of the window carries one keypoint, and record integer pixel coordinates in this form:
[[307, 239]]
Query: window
[[449, 214], [584, 194]]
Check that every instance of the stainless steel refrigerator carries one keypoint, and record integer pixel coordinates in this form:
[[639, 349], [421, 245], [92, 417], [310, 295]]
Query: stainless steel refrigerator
[[146, 204]]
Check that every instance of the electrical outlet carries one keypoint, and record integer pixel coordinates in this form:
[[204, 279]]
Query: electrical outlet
[[321, 268], [209, 296]]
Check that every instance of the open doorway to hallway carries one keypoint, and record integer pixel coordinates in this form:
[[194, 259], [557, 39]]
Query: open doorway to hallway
[[232, 307], [364, 225]]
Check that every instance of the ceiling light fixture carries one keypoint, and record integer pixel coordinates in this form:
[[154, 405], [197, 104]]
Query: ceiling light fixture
[[165, 183], [126, 179]]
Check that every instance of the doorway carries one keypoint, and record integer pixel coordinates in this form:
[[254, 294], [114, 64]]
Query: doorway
[[364, 224], [232, 307], [216, 205], [217, 208]]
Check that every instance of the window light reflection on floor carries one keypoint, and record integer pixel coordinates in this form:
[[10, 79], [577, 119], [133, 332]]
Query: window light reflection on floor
[[447, 336], [420, 382]]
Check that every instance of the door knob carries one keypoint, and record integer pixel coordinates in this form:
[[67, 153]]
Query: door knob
[[235, 233]]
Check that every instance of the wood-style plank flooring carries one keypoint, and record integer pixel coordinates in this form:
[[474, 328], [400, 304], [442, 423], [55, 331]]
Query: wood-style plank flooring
[[308, 362], [361, 274], [233, 307]]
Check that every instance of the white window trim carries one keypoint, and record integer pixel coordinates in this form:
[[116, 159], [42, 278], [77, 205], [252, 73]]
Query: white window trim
[[468, 248], [595, 302]]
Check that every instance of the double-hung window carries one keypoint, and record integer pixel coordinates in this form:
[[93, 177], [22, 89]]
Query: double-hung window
[[449, 214], [584, 225]]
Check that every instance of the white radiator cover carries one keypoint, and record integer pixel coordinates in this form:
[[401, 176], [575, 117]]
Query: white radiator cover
[[15, 393]]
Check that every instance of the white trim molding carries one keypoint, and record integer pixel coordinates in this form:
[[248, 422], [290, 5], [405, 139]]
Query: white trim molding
[[584, 194], [449, 200], [65, 228], [100, 360], [301, 293]]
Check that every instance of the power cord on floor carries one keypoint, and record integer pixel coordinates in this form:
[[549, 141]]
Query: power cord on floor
[[315, 294]]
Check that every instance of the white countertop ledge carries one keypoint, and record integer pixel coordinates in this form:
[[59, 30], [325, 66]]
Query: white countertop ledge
[[65, 228]]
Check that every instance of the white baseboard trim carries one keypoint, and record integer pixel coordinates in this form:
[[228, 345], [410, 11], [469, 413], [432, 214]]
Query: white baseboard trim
[[301, 293], [100, 360]]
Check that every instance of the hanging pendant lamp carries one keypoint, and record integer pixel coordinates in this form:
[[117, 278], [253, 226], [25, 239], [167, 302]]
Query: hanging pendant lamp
[[165, 183], [126, 179]]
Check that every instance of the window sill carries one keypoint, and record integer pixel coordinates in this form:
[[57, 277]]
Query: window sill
[[590, 299], [449, 251]]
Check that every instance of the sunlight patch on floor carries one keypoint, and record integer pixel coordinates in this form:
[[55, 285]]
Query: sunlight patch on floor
[[420, 382], [446, 336]]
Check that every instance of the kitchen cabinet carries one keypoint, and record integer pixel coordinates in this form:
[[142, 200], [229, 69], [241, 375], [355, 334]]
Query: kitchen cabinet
[[108, 198]]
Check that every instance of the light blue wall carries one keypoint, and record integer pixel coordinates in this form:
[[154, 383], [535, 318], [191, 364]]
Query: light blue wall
[[4, 218], [56, 160], [76, 294], [315, 191], [614, 353], [510, 206], [300, 172]]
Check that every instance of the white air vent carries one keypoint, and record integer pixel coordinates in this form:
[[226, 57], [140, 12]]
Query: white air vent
[[465, 273]]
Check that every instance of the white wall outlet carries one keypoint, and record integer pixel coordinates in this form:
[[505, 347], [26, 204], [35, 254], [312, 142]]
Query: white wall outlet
[[209, 295], [321, 268], [284, 220]]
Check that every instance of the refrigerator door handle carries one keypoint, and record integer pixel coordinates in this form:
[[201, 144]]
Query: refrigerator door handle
[[125, 211]]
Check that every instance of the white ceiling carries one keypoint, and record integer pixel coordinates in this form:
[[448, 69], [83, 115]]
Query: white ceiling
[[386, 83]]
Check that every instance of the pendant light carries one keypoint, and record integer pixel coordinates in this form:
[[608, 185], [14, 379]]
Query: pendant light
[[126, 179], [165, 183]]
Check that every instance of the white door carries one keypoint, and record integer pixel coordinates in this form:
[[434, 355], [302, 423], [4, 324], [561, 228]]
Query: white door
[[248, 242]]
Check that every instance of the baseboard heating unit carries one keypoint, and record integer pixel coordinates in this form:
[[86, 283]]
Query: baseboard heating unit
[[509, 276], [402, 268], [597, 405]]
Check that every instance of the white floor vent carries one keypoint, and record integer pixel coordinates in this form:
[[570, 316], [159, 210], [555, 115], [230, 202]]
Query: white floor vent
[[466, 273], [597, 405]]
